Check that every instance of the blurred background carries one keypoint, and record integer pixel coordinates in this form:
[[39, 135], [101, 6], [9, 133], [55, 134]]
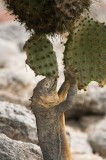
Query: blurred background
[[85, 122]]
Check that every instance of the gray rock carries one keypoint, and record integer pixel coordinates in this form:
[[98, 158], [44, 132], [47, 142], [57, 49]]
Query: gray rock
[[73, 123], [17, 122], [92, 102], [9, 55], [14, 32], [86, 157], [97, 138], [86, 122], [17, 80], [78, 141], [16, 150], [16, 86], [98, 10]]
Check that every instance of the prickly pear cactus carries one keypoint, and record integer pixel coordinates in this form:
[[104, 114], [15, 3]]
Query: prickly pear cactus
[[85, 52], [46, 16], [40, 56], [71, 8]]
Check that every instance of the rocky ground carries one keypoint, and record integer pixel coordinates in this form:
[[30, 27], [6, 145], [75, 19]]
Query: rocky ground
[[85, 123]]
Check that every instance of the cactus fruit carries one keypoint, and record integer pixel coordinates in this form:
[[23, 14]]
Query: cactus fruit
[[85, 51], [46, 16], [40, 56]]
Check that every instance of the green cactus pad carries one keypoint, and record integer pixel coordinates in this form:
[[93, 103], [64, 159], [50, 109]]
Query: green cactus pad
[[46, 16], [40, 56], [85, 52]]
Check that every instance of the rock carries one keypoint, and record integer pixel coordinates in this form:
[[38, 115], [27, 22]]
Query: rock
[[98, 10], [10, 30], [16, 86], [16, 78], [86, 122], [78, 141], [17, 122], [86, 157], [14, 32], [10, 56], [74, 124], [92, 102], [97, 138], [16, 150]]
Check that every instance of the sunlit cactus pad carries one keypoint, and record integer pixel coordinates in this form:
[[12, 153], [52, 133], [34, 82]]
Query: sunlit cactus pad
[[85, 52], [47, 16], [40, 56]]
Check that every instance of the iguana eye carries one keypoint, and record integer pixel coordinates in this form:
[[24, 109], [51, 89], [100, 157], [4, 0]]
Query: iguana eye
[[47, 85]]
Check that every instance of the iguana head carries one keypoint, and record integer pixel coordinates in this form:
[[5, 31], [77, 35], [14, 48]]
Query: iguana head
[[46, 86], [45, 93]]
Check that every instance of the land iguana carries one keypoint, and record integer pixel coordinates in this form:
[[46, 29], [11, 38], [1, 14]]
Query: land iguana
[[49, 106]]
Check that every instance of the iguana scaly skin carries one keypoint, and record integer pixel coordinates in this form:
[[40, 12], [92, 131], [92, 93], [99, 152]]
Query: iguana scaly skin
[[48, 107]]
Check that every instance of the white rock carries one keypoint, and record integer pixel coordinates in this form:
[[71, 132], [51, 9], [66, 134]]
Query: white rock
[[78, 141], [17, 122], [17, 150], [97, 137]]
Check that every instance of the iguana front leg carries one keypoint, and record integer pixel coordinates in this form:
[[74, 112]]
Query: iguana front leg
[[66, 95], [62, 93], [67, 92]]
